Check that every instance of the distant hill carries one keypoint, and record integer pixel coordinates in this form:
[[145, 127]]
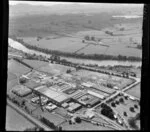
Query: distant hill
[[27, 9]]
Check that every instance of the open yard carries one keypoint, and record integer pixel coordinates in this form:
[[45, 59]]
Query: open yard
[[135, 91]]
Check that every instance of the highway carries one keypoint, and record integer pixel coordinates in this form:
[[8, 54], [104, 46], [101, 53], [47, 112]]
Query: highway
[[29, 117]]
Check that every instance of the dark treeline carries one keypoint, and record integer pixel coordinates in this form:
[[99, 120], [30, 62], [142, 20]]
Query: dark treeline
[[82, 55]]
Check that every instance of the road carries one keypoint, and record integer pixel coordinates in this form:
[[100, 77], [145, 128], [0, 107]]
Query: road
[[15, 55], [29, 117]]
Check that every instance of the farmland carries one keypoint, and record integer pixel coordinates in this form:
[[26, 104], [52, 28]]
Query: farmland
[[123, 40]]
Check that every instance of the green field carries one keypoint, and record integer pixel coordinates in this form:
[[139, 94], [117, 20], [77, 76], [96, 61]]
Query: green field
[[11, 76], [17, 68], [135, 91], [35, 63], [15, 121], [125, 107]]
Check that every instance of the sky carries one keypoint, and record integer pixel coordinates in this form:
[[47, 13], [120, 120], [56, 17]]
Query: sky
[[39, 3], [14, 2]]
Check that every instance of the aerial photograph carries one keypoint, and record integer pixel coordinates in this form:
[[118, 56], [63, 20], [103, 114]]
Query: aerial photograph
[[74, 66]]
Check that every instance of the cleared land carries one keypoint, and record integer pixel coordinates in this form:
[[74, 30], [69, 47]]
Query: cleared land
[[15, 121], [135, 91]]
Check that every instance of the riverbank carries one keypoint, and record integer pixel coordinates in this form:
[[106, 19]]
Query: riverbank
[[19, 46], [82, 55]]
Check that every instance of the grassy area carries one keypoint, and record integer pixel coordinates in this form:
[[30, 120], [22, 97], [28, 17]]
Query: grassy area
[[11, 76], [125, 107], [82, 126], [35, 63], [15, 121], [135, 91], [54, 69], [11, 84], [17, 68]]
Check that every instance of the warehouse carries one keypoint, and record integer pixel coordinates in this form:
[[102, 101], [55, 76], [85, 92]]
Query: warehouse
[[55, 96], [21, 90]]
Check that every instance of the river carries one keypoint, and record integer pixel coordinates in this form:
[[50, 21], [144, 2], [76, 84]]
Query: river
[[19, 46]]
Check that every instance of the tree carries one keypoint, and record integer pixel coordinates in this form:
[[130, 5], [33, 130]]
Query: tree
[[22, 80], [87, 37], [132, 109], [125, 113], [132, 123], [121, 100], [135, 106], [83, 41], [113, 104], [93, 38], [117, 102], [78, 119]]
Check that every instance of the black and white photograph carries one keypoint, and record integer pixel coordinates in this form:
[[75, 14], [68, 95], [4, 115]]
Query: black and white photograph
[[74, 66]]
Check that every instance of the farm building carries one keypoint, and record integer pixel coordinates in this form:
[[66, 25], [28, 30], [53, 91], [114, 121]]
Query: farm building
[[55, 96], [21, 90]]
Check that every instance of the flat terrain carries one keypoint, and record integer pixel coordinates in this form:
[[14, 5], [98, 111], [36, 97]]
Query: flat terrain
[[125, 107], [17, 68], [135, 91], [83, 126], [54, 69], [35, 63], [15, 121]]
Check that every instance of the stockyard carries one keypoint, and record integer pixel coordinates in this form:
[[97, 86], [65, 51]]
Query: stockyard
[[47, 86]]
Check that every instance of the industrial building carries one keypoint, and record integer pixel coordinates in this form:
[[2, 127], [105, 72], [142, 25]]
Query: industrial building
[[89, 100], [21, 90], [55, 96]]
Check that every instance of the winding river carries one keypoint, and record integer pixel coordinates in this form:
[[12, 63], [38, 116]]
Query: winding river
[[19, 46]]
